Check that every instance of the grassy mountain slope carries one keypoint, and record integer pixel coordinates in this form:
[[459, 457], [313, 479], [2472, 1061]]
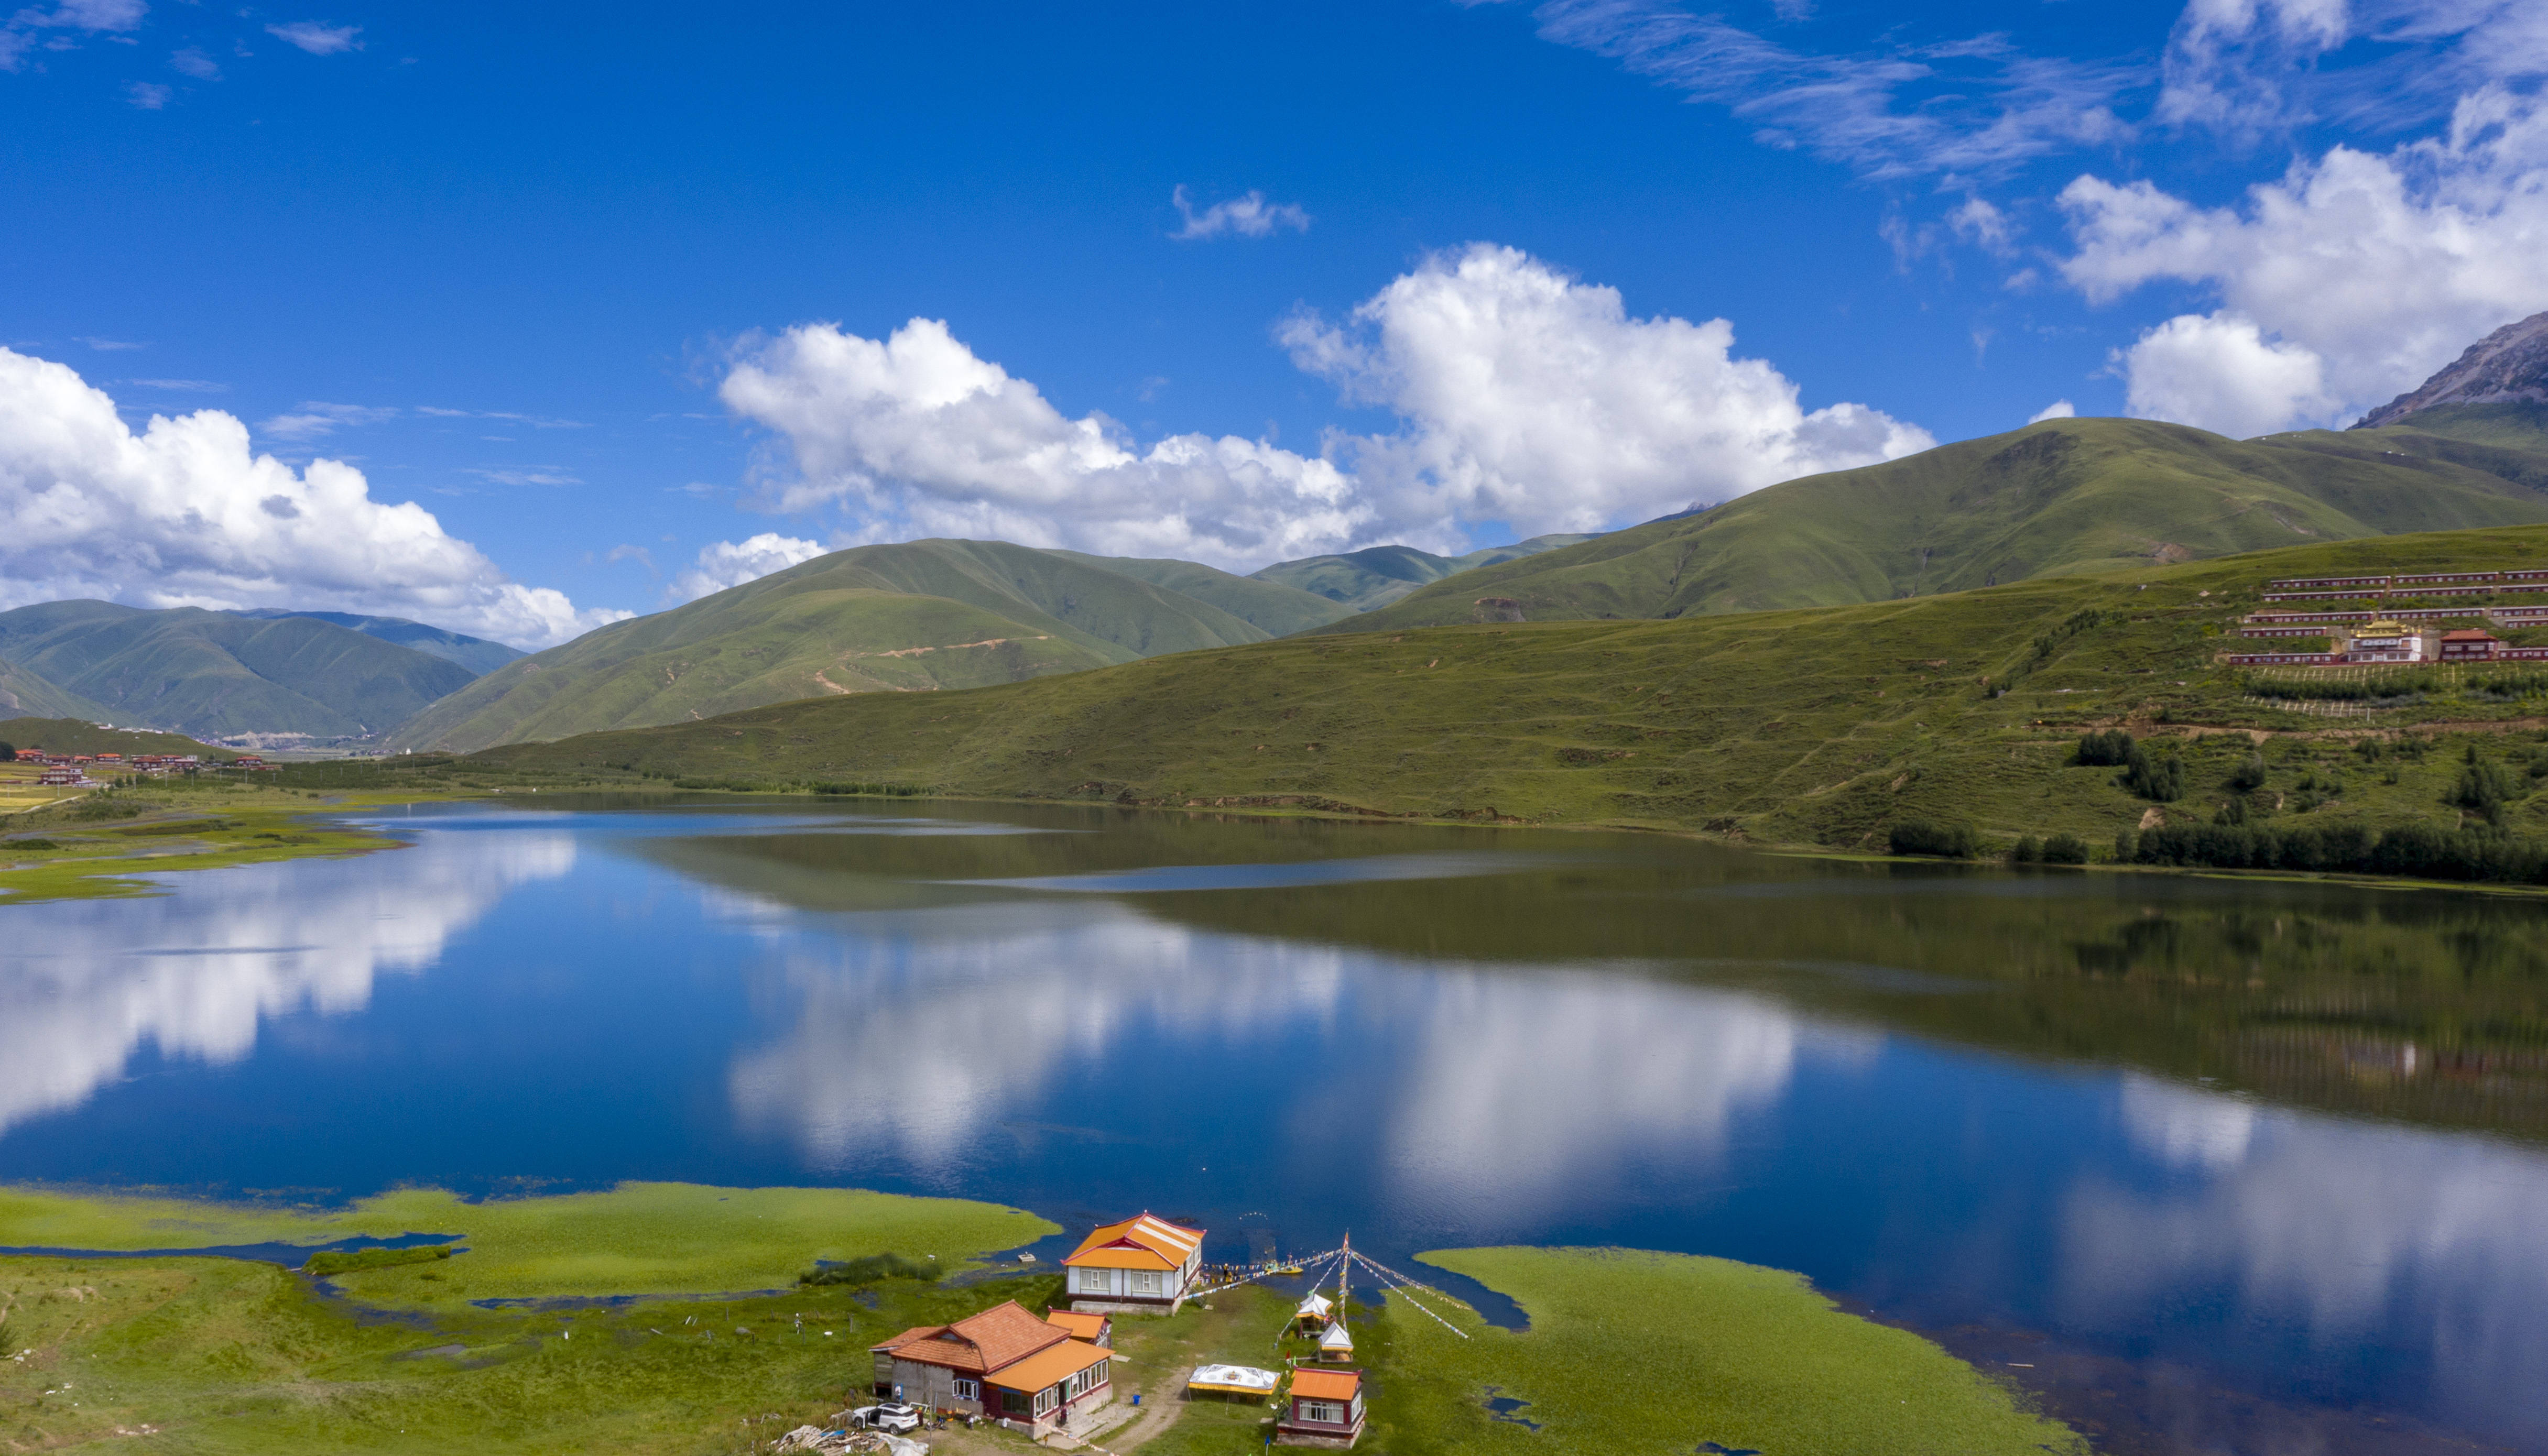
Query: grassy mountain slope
[[2061, 496], [24, 695], [1377, 576], [211, 673], [1269, 606], [764, 647], [477, 654], [1813, 726], [917, 615]]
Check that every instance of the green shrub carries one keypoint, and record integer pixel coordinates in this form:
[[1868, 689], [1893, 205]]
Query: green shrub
[[868, 1270], [2065, 849], [2483, 788], [2248, 777], [2417, 851], [2107, 750], [2027, 850], [1945, 841], [2161, 780], [347, 1261]]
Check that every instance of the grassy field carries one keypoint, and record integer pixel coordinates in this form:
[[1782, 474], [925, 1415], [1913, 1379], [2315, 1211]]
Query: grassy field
[[503, 1346], [1635, 1351], [218, 1355], [1813, 728], [100, 842]]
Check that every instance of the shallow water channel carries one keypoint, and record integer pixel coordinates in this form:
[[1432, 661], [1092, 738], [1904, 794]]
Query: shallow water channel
[[2212, 1165]]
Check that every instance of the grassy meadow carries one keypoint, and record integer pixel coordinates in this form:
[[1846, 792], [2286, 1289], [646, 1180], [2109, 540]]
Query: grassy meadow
[[664, 1317], [104, 843], [221, 1355]]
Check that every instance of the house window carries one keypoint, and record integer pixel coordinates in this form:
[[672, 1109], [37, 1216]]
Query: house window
[[1324, 1412], [1145, 1281], [1015, 1402], [1047, 1399], [1095, 1281], [968, 1389]]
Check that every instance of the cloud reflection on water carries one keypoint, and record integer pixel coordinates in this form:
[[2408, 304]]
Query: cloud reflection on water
[[194, 971], [2346, 1233]]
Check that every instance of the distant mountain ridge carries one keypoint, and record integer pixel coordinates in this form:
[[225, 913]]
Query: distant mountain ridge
[[1376, 576], [2061, 496], [2506, 367], [477, 654], [910, 617], [215, 674]]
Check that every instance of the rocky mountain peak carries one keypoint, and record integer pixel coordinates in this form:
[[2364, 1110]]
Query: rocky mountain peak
[[2509, 365]]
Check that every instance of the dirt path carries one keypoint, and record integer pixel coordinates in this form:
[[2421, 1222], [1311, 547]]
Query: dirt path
[[1156, 1416]]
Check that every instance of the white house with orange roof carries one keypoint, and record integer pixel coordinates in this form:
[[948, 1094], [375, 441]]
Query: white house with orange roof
[[1143, 1265]]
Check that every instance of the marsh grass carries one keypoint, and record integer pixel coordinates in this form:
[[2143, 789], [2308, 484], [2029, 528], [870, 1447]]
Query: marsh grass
[[1636, 1351]]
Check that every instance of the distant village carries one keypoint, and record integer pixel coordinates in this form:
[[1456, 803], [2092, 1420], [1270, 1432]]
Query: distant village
[[2388, 634], [73, 770]]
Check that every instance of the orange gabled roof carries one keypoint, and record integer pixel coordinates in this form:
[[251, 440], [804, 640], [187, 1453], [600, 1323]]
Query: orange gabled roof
[[979, 1345], [1050, 1367], [1143, 1242], [1325, 1385], [1075, 1325]]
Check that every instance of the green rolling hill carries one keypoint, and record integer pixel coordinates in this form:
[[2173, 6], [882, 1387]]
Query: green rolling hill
[[477, 654], [912, 616], [215, 674], [1376, 576], [24, 695], [1818, 726], [2067, 496], [1270, 606]]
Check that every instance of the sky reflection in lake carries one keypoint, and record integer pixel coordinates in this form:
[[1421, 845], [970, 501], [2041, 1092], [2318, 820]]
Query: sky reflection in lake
[[1958, 1100]]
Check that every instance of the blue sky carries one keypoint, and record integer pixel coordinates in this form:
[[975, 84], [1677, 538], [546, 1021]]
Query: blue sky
[[600, 289]]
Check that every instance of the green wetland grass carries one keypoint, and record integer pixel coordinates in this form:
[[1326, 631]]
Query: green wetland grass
[[518, 1341]]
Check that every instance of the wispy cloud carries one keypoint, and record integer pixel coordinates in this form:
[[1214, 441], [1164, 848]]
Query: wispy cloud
[[194, 62], [317, 38], [533, 420], [109, 345], [147, 95], [1245, 217], [536, 475], [1976, 108], [17, 33], [638, 554], [187, 386], [312, 419]]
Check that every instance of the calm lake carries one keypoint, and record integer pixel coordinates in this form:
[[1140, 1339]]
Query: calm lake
[[2214, 1166]]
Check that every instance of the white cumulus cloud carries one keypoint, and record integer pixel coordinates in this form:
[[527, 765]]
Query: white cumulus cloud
[[726, 564], [1532, 398], [929, 439], [2373, 269], [186, 515], [1248, 217], [1526, 398], [318, 38], [2219, 372], [2057, 410]]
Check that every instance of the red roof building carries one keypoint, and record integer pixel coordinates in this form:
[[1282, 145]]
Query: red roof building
[[2470, 645], [1004, 1363]]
